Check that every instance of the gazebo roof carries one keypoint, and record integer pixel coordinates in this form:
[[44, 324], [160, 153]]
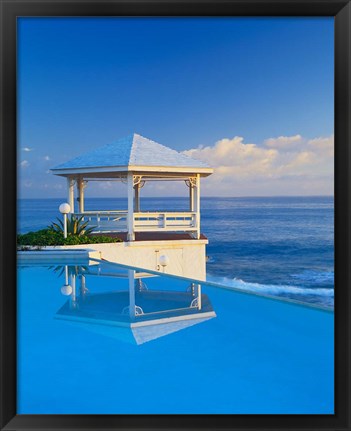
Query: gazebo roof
[[132, 153]]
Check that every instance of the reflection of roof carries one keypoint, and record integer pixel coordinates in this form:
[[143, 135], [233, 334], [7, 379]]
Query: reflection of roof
[[139, 334], [131, 153], [165, 313]]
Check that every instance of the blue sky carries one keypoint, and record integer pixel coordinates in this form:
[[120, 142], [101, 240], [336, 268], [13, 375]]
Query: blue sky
[[251, 96]]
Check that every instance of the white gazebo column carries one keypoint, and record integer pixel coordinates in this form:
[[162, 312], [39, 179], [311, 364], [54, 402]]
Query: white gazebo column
[[197, 205], [191, 196], [81, 186], [70, 191], [137, 197], [130, 216]]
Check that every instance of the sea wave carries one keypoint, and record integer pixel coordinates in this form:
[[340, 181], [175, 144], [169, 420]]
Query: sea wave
[[269, 289], [315, 277]]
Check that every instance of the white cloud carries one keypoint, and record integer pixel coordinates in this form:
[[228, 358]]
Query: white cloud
[[47, 158], [27, 149], [290, 165], [105, 185], [323, 146], [284, 142], [50, 186], [24, 164]]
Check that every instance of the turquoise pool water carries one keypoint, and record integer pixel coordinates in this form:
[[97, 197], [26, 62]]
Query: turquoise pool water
[[83, 348]]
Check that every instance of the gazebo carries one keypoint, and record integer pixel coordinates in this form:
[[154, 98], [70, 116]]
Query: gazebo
[[135, 160]]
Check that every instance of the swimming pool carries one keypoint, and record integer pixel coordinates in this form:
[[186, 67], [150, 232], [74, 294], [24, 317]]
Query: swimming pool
[[97, 338]]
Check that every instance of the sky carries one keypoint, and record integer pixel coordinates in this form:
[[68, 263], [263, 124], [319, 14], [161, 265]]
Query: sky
[[252, 97]]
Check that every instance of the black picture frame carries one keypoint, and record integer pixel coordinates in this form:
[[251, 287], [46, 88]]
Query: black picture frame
[[341, 10]]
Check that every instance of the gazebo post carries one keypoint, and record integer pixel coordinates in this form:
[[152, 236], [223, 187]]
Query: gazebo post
[[191, 197], [81, 194], [137, 197], [70, 190], [197, 205], [130, 216]]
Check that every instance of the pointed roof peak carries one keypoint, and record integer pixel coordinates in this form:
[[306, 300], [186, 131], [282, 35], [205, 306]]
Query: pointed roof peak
[[133, 152]]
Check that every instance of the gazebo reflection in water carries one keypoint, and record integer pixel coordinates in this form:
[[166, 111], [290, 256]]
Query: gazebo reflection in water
[[138, 310]]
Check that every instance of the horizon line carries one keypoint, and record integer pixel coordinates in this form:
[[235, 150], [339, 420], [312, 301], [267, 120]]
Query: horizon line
[[185, 197]]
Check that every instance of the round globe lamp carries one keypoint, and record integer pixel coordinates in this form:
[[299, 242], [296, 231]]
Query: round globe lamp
[[65, 209]]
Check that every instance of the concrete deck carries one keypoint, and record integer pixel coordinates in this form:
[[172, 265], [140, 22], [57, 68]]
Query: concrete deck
[[153, 236]]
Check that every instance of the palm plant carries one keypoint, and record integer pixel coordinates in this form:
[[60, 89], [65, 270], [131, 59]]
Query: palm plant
[[75, 226]]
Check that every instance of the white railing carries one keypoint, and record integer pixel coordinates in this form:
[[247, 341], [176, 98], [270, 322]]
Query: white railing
[[105, 221], [116, 221], [165, 221]]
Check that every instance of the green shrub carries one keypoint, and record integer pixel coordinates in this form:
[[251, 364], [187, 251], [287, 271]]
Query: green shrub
[[50, 237], [41, 237]]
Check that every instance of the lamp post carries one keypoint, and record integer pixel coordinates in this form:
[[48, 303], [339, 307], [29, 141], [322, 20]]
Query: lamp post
[[164, 261], [65, 209]]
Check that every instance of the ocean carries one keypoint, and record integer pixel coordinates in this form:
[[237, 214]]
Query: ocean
[[280, 246]]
